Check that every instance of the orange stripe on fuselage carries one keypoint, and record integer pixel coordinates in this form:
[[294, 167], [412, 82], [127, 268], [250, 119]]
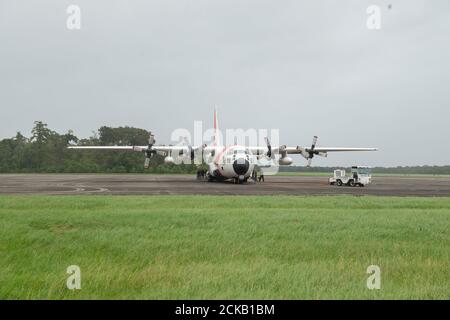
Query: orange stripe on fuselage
[[216, 160]]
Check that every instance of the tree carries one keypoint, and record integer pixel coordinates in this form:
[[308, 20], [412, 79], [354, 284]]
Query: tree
[[123, 136], [40, 132]]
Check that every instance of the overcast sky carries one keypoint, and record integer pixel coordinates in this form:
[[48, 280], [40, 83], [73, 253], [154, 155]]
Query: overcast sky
[[304, 67]]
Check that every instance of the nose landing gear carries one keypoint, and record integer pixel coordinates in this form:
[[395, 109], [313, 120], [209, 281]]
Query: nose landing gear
[[239, 180]]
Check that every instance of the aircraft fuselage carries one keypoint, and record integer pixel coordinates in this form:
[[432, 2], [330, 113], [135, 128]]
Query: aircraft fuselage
[[232, 162]]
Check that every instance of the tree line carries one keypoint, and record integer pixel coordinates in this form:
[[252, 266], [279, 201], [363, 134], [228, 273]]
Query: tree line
[[45, 151]]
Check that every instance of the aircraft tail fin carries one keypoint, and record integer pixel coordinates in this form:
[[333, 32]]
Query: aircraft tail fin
[[216, 128]]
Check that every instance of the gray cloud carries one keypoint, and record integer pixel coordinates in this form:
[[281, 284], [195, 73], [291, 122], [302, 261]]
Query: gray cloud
[[303, 67]]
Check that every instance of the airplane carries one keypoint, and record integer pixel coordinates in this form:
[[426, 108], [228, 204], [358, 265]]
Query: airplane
[[235, 162]]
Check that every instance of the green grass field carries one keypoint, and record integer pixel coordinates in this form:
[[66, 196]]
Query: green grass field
[[195, 247]]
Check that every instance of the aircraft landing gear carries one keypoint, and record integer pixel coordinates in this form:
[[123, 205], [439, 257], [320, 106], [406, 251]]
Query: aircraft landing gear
[[239, 180], [209, 177]]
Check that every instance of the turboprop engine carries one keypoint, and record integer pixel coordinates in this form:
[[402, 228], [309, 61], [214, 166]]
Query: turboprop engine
[[169, 160], [285, 161]]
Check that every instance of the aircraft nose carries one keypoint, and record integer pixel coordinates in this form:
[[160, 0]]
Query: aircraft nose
[[240, 166]]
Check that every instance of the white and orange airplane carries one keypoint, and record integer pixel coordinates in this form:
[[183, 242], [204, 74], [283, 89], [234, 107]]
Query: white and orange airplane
[[235, 162]]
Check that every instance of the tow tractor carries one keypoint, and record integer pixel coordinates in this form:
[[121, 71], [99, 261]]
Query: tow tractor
[[360, 176]]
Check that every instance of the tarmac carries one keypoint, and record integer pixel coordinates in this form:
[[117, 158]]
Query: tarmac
[[154, 184]]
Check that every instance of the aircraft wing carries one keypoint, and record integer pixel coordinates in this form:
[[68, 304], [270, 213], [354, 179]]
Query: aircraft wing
[[297, 150], [132, 148], [147, 150], [113, 148], [306, 152]]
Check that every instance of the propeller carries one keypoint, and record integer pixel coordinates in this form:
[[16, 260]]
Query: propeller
[[309, 153], [149, 152], [269, 148], [313, 146], [189, 151]]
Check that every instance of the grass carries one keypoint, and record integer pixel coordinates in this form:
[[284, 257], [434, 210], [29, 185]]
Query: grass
[[231, 247]]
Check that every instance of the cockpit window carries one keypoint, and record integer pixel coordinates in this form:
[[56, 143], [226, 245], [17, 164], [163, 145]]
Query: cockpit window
[[239, 151]]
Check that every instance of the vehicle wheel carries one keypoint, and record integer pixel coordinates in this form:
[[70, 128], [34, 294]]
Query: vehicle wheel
[[339, 183], [351, 183]]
